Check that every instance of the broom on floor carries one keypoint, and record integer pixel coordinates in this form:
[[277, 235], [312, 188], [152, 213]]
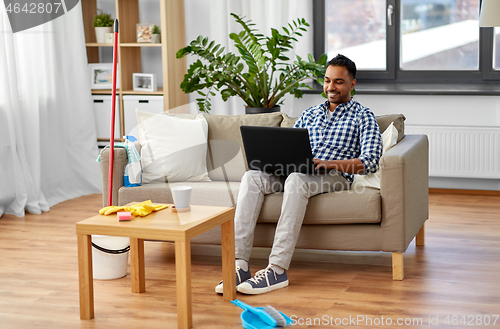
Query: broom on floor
[[113, 101]]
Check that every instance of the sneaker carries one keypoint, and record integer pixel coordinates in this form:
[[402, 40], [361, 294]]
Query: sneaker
[[241, 276], [264, 281]]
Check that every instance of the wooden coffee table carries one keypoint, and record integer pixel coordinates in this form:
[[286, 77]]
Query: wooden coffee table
[[164, 225]]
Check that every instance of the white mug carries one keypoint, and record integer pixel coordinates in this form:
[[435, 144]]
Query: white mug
[[181, 196]]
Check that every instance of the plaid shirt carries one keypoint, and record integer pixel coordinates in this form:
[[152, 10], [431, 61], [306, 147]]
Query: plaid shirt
[[351, 133]]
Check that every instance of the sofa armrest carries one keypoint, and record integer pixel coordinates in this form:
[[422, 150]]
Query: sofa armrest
[[119, 162], [404, 191]]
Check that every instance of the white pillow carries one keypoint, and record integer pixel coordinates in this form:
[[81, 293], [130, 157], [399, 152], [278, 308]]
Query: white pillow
[[389, 139], [173, 148]]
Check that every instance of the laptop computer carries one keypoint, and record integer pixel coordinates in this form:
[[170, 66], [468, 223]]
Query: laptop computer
[[278, 150]]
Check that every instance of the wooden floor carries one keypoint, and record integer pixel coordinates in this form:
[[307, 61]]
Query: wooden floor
[[456, 275]]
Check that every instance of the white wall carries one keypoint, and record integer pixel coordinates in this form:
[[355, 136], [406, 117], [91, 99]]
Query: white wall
[[426, 109], [432, 110]]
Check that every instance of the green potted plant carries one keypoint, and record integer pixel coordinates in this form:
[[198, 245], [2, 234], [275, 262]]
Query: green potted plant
[[156, 34], [103, 23], [261, 75]]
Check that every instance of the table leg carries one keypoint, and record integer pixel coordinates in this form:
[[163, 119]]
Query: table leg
[[183, 277], [228, 267], [137, 268], [85, 276]]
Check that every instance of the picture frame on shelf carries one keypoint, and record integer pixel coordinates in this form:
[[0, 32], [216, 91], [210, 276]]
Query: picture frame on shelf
[[144, 82], [143, 32], [101, 76]]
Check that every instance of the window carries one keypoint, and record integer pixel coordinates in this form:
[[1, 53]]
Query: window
[[439, 35], [409, 40], [363, 39]]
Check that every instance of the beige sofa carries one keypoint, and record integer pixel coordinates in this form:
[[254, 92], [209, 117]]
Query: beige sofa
[[367, 220]]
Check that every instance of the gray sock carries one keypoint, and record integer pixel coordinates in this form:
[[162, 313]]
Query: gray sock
[[243, 264], [278, 269]]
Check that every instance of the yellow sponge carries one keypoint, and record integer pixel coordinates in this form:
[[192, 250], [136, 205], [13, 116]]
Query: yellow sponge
[[123, 216]]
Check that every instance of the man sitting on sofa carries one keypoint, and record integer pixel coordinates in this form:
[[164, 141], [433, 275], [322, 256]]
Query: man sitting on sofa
[[345, 137]]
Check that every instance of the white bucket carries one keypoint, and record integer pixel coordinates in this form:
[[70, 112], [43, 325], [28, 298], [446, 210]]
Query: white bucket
[[111, 263]]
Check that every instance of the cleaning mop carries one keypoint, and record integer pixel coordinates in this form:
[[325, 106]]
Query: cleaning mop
[[113, 102]]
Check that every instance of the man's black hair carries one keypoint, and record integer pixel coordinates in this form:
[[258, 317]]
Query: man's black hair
[[341, 60]]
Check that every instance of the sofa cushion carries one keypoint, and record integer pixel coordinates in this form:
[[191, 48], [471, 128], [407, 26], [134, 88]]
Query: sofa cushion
[[173, 148], [389, 139], [343, 207], [203, 193], [383, 122], [287, 121], [225, 146]]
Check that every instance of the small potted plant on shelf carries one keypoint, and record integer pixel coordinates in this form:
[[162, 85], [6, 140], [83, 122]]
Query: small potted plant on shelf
[[262, 75], [156, 35], [103, 23]]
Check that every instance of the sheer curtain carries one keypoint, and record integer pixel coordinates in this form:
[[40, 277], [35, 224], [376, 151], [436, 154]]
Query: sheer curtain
[[47, 131], [212, 19]]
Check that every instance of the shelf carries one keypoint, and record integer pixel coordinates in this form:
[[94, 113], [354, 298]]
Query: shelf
[[95, 44], [129, 51], [102, 92], [137, 44], [127, 92], [107, 140], [133, 92]]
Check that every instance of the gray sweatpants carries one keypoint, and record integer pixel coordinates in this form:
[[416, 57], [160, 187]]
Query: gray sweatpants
[[297, 189]]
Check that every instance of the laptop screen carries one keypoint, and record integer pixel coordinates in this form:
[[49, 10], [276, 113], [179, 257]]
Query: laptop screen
[[277, 150]]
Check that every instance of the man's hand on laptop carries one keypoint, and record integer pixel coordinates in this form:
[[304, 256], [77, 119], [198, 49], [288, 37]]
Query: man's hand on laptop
[[350, 166], [322, 164]]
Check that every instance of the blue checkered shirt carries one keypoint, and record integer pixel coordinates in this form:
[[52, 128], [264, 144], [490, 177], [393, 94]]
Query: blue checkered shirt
[[351, 133]]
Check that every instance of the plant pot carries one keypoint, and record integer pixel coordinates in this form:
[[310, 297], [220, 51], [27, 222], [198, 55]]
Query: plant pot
[[155, 38], [100, 33], [258, 110]]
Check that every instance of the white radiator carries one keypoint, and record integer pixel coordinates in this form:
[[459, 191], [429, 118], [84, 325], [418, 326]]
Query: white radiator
[[458, 151]]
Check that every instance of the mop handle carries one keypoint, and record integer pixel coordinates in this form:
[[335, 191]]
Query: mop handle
[[113, 101]]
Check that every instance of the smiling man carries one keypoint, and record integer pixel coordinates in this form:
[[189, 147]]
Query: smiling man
[[345, 139], [354, 137]]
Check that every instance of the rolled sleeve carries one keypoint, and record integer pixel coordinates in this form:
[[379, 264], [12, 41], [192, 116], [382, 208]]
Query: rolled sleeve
[[371, 143]]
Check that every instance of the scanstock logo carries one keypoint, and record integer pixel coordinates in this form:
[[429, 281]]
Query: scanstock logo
[[25, 14]]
